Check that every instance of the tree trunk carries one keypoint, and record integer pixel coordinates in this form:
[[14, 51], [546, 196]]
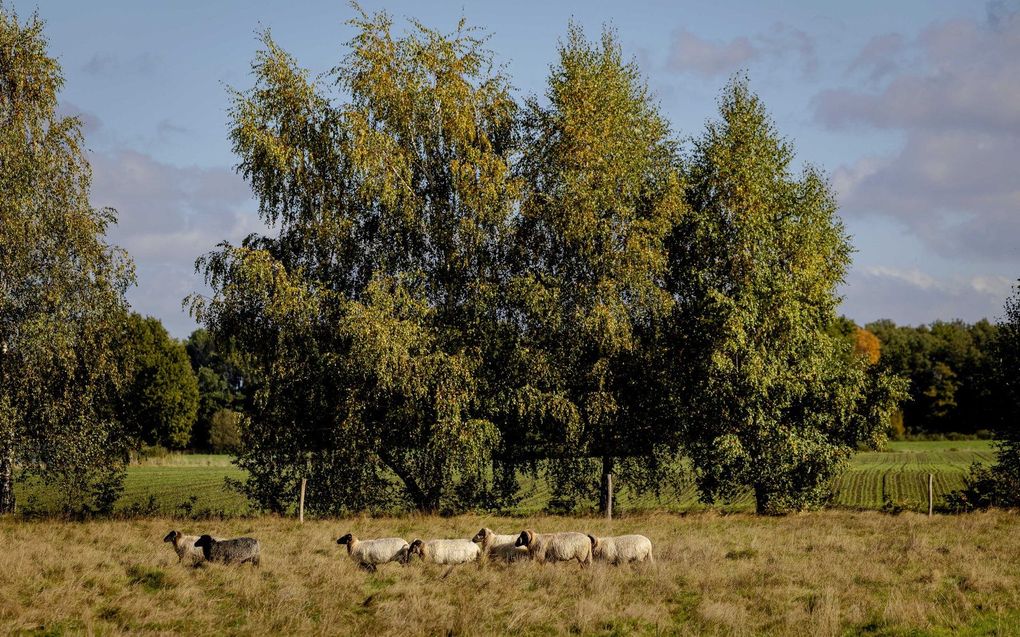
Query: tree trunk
[[762, 500], [605, 495], [7, 476], [424, 502]]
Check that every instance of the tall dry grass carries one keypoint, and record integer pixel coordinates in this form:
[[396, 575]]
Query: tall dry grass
[[814, 574]]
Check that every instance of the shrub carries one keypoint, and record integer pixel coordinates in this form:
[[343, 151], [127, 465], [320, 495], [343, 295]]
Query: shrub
[[982, 488], [896, 430], [225, 431]]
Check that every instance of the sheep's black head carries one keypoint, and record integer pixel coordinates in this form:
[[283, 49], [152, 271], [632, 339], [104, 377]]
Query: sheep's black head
[[416, 548], [481, 535], [171, 537], [204, 542], [525, 539], [345, 539], [594, 541]]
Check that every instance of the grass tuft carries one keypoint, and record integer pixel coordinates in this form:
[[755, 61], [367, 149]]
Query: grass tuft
[[152, 580]]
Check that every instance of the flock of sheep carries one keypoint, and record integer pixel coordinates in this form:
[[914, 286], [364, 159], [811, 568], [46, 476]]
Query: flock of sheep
[[541, 547]]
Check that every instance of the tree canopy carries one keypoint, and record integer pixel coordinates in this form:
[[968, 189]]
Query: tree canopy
[[160, 402], [364, 320], [773, 400], [61, 290], [601, 191]]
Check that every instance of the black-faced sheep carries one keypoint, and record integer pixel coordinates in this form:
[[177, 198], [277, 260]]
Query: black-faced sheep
[[500, 546], [370, 553], [556, 547], [184, 546], [445, 551]]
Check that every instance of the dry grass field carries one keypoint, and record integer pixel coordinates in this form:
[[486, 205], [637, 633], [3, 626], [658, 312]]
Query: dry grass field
[[828, 573]]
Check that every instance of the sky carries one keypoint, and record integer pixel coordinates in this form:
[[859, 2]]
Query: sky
[[912, 109]]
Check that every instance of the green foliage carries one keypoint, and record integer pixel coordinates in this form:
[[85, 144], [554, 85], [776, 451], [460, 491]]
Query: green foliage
[[61, 290], [360, 326], [999, 485], [982, 488], [774, 401], [951, 367], [1007, 467], [601, 192], [896, 430], [213, 395], [220, 384], [161, 401], [225, 431]]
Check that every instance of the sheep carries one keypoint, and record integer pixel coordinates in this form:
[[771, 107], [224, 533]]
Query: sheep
[[500, 546], [184, 546], [236, 551], [370, 553], [557, 547], [621, 549], [445, 551]]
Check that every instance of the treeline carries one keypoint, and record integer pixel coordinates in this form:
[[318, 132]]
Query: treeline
[[953, 371], [177, 395]]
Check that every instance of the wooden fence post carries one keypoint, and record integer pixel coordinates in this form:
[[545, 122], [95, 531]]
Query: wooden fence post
[[931, 494], [301, 504], [609, 496]]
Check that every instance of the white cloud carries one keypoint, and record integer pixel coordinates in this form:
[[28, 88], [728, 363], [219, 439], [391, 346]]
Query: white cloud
[[168, 216], [691, 53], [910, 296], [956, 180]]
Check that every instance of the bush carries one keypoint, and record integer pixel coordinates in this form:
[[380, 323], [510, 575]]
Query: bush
[[982, 488], [225, 431], [896, 430], [149, 452]]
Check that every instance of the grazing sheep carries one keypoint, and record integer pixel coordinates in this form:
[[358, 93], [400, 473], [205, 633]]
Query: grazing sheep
[[556, 547], [236, 551], [184, 546], [370, 553], [621, 549], [500, 546], [445, 551]]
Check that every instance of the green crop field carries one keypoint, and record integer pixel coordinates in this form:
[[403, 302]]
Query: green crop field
[[193, 484]]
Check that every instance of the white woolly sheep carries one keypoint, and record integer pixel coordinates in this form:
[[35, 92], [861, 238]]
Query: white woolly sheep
[[500, 546], [370, 553], [621, 549], [445, 551], [184, 546], [236, 551], [557, 547]]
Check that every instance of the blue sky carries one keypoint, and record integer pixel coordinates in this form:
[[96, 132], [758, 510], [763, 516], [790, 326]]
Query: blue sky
[[912, 108]]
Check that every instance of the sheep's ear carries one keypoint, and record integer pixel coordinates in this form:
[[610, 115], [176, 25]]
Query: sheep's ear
[[170, 537]]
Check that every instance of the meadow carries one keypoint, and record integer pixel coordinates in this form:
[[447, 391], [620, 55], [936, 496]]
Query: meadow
[[192, 485], [825, 573]]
